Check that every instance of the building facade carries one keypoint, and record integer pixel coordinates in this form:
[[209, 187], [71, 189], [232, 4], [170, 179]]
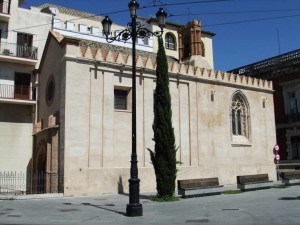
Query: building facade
[[21, 46], [23, 34], [78, 115], [221, 125]]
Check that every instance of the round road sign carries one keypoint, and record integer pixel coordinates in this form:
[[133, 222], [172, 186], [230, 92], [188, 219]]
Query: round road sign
[[276, 147], [277, 157]]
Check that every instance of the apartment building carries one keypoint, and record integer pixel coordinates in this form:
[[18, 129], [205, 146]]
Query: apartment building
[[21, 46]]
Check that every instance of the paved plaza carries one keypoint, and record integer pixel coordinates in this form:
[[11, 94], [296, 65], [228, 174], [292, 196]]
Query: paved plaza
[[272, 206]]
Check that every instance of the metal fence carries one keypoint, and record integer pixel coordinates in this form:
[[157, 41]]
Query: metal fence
[[23, 92], [292, 117], [20, 183], [22, 51]]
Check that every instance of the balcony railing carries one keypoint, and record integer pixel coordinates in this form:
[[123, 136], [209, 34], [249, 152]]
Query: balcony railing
[[292, 117], [22, 51], [5, 6], [268, 65], [20, 92]]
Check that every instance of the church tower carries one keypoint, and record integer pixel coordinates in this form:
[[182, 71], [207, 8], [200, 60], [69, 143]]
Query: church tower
[[191, 47]]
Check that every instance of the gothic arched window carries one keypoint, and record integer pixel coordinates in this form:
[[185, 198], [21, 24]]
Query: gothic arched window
[[240, 119]]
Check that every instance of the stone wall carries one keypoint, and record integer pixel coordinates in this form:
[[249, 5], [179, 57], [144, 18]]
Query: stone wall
[[96, 138]]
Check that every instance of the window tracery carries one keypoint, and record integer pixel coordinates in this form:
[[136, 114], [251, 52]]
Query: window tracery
[[240, 119]]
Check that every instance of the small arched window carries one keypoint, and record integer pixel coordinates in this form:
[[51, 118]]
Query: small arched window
[[203, 48], [240, 118], [170, 41]]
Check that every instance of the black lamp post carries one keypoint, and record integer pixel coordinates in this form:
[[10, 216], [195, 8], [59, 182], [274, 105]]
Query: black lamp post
[[133, 31]]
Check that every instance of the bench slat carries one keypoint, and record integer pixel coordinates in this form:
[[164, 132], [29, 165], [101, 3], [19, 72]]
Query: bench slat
[[253, 182], [252, 178], [199, 187], [198, 183], [289, 175]]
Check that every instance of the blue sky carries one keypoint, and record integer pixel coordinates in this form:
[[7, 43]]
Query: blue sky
[[237, 42]]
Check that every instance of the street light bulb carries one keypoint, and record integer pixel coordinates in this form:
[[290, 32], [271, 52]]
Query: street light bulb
[[133, 7], [106, 24], [161, 18]]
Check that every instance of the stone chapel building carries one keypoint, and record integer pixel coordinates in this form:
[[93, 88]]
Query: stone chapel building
[[221, 125], [73, 123]]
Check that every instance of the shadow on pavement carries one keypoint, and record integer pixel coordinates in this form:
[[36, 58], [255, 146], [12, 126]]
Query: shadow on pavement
[[290, 198], [147, 197], [103, 207]]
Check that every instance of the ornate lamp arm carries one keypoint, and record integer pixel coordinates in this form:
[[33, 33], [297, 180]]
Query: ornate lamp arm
[[126, 34]]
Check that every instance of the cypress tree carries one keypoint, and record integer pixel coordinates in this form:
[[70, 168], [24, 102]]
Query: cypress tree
[[164, 155]]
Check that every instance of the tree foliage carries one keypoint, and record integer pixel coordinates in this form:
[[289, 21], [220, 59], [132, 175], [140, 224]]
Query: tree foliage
[[164, 155]]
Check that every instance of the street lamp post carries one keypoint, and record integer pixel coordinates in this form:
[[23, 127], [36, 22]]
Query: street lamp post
[[133, 31]]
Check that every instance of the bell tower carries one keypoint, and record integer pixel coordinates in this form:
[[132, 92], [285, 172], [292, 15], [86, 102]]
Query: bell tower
[[190, 43], [191, 47]]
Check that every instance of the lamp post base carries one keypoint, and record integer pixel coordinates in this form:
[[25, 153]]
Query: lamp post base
[[133, 210]]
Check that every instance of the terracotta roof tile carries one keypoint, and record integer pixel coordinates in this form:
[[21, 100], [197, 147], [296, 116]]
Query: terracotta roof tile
[[72, 12]]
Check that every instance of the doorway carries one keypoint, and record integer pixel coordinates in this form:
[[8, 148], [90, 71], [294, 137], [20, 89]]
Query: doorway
[[24, 44], [40, 175], [22, 86]]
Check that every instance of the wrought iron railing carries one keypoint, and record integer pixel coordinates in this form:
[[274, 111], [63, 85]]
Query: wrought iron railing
[[22, 51], [268, 65], [292, 117], [5, 6], [20, 183], [23, 92]]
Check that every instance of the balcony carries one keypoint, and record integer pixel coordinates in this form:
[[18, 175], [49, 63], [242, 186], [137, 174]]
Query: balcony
[[292, 117], [20, 94], [4, 10], [11, 52], [267, 66]]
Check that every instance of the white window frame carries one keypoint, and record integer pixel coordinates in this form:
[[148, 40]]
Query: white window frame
[[120, 99], [170, 45], [127, 98], [240, 129]]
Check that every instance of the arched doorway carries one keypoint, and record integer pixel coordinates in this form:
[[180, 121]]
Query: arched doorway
[[40, 173]]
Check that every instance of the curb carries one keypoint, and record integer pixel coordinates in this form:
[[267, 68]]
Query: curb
[[35, 196]]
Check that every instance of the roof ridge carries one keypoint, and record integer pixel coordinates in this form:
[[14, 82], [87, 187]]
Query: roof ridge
[[73, 12]]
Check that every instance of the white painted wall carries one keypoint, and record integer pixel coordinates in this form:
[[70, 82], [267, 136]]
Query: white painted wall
[[15, 137]]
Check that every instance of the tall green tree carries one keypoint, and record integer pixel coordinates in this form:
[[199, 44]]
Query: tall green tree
[[164, 155]]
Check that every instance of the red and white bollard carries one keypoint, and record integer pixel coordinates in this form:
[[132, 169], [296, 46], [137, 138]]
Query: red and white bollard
[[277, 158]]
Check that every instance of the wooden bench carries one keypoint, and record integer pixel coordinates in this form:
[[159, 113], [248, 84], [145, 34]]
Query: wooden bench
[[199, 187], [253, 182], [290, 177]]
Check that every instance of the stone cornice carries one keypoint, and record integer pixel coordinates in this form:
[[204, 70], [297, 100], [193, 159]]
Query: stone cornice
[[122, 56], [175, 67]]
